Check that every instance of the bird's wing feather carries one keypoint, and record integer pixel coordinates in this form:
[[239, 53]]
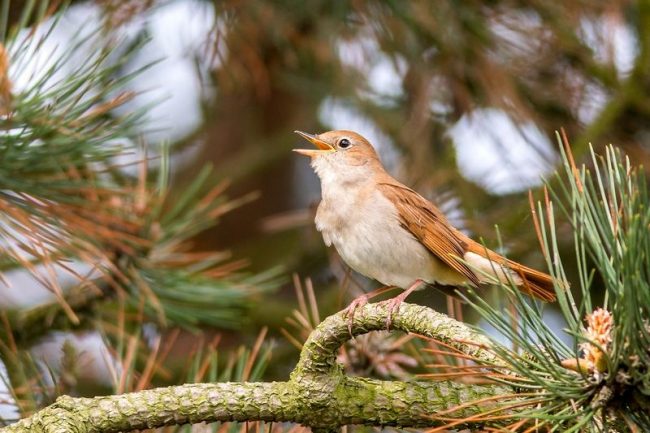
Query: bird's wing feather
[[424, 221]]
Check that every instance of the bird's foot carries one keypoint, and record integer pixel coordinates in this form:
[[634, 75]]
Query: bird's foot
[[394, 303], [359, 302], [352, 308]]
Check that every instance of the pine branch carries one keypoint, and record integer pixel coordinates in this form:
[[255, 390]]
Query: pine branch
[[64, 199], [317, 394], [600, 379], [25, 325]]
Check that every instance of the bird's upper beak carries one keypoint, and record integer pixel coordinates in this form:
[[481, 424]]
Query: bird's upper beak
[[322, 146]]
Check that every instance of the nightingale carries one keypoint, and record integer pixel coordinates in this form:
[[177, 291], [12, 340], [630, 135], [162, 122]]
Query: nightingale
[[390, 233]]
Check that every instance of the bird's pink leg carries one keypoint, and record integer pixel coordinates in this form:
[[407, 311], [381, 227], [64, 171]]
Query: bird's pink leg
[[362, 300], [393, 304]]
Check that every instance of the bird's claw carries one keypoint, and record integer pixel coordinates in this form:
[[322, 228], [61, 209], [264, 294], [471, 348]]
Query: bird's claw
[[359, 302], [393, 304], [351, 309], [393, 307]]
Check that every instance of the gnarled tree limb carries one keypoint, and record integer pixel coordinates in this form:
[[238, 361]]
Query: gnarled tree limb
[[318, 394]]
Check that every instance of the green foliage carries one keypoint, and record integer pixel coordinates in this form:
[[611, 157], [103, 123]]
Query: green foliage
[[65, 198], [611, 217], [62, 120], [66, 201], [601, 381]]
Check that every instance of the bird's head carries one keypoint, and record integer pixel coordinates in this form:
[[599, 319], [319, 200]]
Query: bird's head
[[340, 153]]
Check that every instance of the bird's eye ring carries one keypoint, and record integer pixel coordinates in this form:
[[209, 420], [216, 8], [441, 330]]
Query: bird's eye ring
[[344, 143]]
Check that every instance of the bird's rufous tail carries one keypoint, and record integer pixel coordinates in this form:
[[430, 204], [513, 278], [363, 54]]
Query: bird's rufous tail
[[533, 282]]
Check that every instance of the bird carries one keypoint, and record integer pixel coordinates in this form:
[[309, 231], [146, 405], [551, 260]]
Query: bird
[[390, 233]]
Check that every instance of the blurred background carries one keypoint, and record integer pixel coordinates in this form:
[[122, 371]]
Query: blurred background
[[461, 99]]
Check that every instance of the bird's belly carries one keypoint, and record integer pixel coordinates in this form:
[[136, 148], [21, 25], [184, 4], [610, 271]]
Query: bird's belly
[[381, 249]]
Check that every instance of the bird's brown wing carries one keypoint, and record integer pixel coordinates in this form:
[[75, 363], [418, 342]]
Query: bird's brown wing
[[422, 219], [429, 226]]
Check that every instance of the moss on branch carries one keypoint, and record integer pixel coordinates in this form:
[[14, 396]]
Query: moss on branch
[[318, 394]]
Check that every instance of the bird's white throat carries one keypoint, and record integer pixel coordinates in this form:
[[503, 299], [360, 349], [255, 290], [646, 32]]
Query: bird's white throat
[[342, 187], [334, 171]]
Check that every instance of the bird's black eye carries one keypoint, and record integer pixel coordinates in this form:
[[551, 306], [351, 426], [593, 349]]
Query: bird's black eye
[[344, 143]]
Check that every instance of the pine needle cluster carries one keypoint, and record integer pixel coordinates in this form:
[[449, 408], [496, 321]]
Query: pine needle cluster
[[113, 249], [600, 381]]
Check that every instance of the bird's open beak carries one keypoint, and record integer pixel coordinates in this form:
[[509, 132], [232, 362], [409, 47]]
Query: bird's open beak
[[320, 144]]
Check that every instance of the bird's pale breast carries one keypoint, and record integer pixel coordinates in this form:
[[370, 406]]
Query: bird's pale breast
[[365, 229]]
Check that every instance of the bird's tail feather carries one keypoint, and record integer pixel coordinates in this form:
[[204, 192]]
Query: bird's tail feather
[[533, 282]]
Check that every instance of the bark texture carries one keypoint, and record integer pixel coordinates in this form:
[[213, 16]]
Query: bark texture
[[318, 394]]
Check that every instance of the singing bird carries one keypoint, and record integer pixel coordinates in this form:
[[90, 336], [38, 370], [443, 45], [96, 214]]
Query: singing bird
[[388, 232]]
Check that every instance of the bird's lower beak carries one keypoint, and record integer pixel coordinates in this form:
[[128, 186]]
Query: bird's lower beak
[[323, 147]]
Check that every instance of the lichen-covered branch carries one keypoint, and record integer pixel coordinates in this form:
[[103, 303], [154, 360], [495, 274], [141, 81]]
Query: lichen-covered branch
[[319, 352], [337, 403], [318, 394]]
